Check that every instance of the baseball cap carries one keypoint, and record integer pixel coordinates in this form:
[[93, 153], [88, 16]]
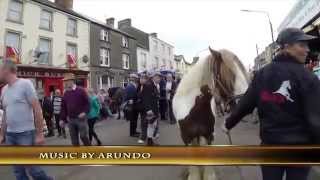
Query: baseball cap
[[293, 35]]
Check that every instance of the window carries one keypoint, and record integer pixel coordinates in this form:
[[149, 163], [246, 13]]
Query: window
[[46, 20], [72, 27], [155, 46], [44, 51], [125, 41], [72, 55], [163, 48], [104, 35], [15, 11], [143, 60], [13, 46], [105, 82], [104, 57], [156, 62], [164, 63], [169, 51], [125, 61]]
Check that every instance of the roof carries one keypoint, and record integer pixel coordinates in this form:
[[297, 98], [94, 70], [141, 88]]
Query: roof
[[55, 6], [179, 58], [95, 21], [79, 15]]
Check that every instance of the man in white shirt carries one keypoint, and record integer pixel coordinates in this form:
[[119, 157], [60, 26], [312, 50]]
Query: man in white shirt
[[170, 90]]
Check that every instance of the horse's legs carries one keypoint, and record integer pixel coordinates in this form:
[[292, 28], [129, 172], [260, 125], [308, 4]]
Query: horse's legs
[[210, 139]]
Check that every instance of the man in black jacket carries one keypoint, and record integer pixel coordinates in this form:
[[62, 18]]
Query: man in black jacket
[[151, 105], [288, 99]]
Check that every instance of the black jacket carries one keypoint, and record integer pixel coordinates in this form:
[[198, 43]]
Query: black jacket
[[150, 98], [288, 100]]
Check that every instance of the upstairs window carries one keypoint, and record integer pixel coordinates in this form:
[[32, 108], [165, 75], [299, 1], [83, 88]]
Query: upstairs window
[[46, 20], [15, 10], [104, 35], [125, 61], [104, 57], [44, 51], [125, 42], [72, 27]]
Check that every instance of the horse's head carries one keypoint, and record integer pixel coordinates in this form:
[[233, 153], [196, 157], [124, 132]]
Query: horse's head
[[229, 75]]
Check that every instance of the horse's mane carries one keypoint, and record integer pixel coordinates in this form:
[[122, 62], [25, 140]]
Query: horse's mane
[[202, 74]]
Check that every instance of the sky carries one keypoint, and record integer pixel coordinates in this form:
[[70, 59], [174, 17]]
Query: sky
[[194, 25]]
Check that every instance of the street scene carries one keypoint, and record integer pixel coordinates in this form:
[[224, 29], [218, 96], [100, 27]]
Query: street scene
[[137, 73]]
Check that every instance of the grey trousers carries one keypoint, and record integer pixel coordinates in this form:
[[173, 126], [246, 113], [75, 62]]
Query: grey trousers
[[79, 127]]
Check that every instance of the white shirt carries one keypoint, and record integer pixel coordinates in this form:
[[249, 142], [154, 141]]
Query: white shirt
[[168, 89]]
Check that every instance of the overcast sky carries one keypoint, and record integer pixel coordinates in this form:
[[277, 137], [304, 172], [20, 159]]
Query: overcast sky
[[193, 25]]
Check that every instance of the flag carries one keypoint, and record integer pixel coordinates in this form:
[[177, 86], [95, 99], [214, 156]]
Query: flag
[[12, 54], [72, 61]]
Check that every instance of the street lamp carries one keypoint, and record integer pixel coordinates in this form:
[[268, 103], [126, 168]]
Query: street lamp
[[266, 13]]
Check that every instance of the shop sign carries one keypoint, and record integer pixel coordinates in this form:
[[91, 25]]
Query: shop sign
[[301, 14], [40, 74]]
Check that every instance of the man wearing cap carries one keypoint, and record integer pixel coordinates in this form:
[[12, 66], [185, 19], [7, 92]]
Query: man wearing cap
[[288, 99], [74, 108], [130, 97]]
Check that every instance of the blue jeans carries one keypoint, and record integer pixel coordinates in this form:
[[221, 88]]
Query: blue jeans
[[25, 139]]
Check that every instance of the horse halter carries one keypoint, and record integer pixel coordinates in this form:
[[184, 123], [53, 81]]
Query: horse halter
[[218, 82]]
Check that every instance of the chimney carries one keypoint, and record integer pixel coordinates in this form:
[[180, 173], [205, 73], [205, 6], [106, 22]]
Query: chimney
[[154, 35], [68, 4], [110, 22], [124, 23]]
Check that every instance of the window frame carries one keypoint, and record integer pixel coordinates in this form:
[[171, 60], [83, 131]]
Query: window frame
[[105, 34], [76, 56], [51, 20], [126, 40], [76, 27], [20, 21], [104, 60], [123, 63], [7, 31], [50, 62]]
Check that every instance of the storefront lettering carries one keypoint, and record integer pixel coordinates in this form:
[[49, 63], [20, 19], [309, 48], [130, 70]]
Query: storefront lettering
[[39, 74]]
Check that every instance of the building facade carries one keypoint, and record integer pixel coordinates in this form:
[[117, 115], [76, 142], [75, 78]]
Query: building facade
[[46, 39], [143, 59], [113, 55], [161, 54]]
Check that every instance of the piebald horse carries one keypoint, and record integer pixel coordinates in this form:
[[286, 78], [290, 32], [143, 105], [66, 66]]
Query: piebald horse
[[219, 76]]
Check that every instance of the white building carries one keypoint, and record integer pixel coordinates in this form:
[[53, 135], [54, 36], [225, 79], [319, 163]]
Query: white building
[[45, 38], [143, 59], [161, 54]]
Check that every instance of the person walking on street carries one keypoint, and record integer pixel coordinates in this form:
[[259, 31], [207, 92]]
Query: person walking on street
[[57, 101], [47, 109], [74, 109], [163, 103], [170, 91], [151, 104], [130, 98], [287, 96], [141, 107], [93, 116], [22, 123]]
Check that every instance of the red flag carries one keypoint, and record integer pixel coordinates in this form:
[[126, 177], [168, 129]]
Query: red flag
[[72, 61], [13, 54]]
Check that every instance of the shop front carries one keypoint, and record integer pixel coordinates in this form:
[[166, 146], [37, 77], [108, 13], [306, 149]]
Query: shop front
[[48, 79]]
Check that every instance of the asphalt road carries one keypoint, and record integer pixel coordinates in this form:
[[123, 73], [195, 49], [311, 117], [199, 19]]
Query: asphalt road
[[115, 132]]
